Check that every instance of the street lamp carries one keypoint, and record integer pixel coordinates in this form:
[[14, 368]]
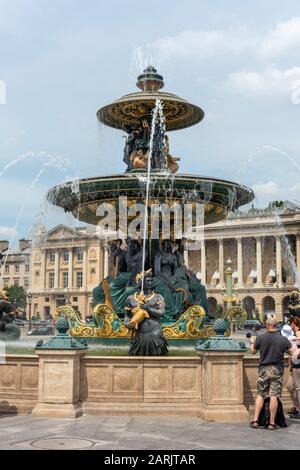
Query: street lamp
[[29, 298]]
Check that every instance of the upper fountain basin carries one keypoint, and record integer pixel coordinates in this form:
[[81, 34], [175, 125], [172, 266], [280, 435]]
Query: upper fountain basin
[[130, 110]]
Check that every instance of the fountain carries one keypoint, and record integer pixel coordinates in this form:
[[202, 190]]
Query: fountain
[[150, 185]]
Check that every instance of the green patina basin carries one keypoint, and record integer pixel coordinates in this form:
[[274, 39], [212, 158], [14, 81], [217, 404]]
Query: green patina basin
[[218, 196]]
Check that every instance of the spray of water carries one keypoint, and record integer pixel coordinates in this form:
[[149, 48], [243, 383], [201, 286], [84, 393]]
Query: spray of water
[[52, 161], [157, 116], [290, 256]]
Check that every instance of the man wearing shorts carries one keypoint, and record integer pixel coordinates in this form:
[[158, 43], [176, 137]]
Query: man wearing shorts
[[271, 347]]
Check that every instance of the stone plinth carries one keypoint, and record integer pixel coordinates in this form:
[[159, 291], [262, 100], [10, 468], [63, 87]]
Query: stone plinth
[[222, 386], [59, 383]]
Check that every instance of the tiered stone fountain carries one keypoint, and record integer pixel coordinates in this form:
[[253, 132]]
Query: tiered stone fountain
[[151, 178]]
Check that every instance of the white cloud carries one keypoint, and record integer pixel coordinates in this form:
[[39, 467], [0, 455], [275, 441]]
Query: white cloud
[[15, 137], [203, 44], [284, 37], [270, 82], [7, 232], [265, 190], [190, 44]]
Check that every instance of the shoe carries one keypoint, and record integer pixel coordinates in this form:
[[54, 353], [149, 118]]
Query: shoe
[[272, 427], [295, 415], [292, 411], [254, 424]]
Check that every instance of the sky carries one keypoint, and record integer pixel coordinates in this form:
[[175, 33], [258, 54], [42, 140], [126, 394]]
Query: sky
[[61, 60]]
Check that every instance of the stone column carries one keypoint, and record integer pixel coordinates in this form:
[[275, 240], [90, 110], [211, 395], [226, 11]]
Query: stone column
[[298, 253], [105, 270], [203, 263], [258, 262], [222, 387], [43, 269], [259, 306], [186, 258], [240, 262], [84, 268], [221, 264], [56, 269], [70, 269], [278, 262]]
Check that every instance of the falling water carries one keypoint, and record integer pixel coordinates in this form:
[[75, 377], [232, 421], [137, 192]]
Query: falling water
[[290, 255], [157, 115], [57, 162]]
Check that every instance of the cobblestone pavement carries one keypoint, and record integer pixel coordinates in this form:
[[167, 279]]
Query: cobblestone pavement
[[136, 433]]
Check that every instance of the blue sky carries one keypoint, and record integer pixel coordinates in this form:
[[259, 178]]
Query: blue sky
[[62, 60]]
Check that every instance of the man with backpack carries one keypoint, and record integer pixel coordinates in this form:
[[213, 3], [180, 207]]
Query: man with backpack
[[271, 347]]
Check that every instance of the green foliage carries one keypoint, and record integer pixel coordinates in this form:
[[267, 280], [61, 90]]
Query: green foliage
[[257, 316], [17, 296], [274, 204], [219, 311]]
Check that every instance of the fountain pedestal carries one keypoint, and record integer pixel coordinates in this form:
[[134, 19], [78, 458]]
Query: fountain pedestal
[[59, 375], [222, 378]]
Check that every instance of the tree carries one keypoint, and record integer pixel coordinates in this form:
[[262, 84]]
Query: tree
[[219, 311], [17, 296]]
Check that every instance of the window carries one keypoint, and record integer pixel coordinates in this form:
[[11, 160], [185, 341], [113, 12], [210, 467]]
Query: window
[[6, 282], [65, 279], [79, 279], [51, 256], [75, 299], [51, 280], [27, 268], [17, 268], [79, 254], [16, 282], [26, 283], [7, 269], [66, 255], [47, 313], [47, 299]]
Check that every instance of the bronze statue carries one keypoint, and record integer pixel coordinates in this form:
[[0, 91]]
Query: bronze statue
[[147, 310], [131, 259], [294, 306], [8, 331]]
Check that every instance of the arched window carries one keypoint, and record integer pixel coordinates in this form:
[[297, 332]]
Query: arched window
[[248, 304], [269, 305], [212, 306]]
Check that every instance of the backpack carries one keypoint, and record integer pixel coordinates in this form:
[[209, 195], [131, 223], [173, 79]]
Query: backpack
[[264, 416]]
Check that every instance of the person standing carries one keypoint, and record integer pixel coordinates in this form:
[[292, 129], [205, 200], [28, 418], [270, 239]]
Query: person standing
[[271, 347], [293, 384]]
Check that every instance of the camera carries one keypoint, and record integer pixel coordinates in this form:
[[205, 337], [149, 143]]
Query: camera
[[248, 335]]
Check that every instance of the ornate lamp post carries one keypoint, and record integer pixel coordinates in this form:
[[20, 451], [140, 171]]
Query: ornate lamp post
[[228, 298], [29, 298]]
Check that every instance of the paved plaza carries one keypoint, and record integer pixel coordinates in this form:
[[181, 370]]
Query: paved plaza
[[137, 433]]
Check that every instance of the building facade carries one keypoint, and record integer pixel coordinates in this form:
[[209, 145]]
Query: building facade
[[264, 247], [65, 267], [15, 264]]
